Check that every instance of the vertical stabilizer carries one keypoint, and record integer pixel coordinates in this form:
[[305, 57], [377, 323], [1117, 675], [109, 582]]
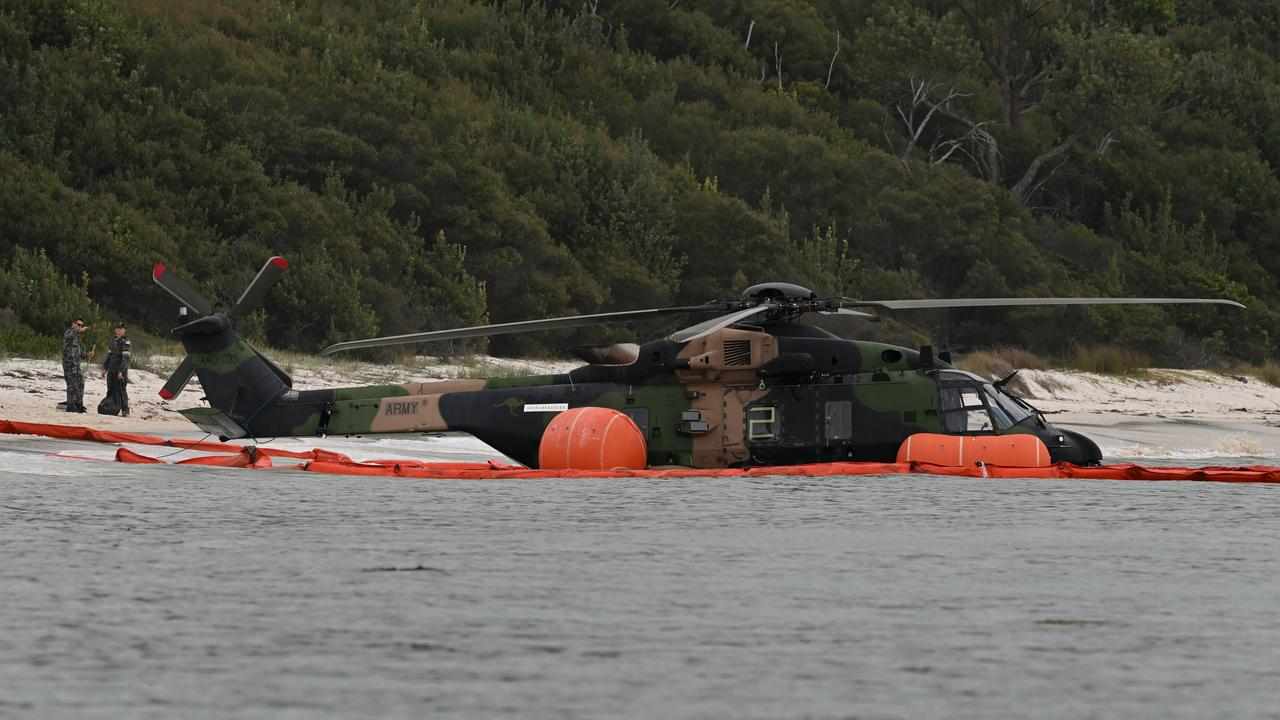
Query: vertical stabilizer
[[238, 381]]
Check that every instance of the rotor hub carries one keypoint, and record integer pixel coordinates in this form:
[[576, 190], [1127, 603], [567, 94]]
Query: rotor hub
[[778, 292]]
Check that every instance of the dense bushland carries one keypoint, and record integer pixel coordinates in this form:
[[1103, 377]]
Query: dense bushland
[[430, 163]]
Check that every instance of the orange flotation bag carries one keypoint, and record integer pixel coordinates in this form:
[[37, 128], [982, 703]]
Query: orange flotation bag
[[968, 450], [592, 438]]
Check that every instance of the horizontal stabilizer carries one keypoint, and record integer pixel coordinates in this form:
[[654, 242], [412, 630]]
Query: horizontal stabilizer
[[214, 422]]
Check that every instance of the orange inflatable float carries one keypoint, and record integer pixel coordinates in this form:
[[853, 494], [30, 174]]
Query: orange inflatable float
[[592, 438], [969, 450]]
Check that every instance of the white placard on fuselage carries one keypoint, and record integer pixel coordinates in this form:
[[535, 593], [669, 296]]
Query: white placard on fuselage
[[545, 407]]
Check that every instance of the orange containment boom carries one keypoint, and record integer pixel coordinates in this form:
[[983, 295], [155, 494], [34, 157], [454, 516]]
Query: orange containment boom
[[324, 461], [969, 450]]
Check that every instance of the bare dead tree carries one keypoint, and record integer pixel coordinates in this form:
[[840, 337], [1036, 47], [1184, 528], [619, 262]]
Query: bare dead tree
[[915, 125], [1027, 186], [747, 44], [777, 61], [981, 147], [1106, 142], [977, 144], [977, 137], [831, 68]]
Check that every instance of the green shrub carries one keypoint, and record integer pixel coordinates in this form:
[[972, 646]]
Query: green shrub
[[42, 298], [21, 341]]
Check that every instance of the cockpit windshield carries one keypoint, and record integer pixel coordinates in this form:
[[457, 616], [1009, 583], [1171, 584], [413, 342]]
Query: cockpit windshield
[[1002, 402], [970, 404]]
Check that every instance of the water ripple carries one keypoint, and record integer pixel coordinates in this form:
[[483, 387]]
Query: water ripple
[[162, 592]]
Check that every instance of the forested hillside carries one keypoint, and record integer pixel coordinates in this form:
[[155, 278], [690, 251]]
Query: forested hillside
[[425, 163]]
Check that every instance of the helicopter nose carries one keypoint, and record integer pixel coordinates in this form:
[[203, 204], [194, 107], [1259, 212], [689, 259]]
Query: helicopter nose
[[1072, 447]]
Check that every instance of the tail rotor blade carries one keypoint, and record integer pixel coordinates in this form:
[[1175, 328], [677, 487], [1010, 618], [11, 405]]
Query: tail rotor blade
[[261, 285], [179, 379], [180, 289]]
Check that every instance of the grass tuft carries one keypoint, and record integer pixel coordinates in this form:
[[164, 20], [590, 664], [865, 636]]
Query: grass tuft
[[999, 362], [1268, 372], [1109, 360], [22, 342]]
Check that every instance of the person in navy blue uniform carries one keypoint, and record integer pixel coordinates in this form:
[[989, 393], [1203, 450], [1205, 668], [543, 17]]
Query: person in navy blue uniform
[[72, 356], [116, 369]]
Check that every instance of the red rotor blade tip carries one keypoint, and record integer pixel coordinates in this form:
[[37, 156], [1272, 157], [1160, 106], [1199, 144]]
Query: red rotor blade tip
[[164, 393], [157, 270], [280, 262]]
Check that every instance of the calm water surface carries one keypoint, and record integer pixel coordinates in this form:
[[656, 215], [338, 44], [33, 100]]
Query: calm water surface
[[179, 592]]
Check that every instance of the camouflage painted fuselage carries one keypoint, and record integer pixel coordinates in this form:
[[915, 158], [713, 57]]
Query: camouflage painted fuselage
[[735, 397]]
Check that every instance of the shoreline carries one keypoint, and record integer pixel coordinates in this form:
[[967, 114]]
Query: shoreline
[[1163, 414]]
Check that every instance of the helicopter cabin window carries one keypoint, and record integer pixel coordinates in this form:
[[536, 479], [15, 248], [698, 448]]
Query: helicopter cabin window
[[963, 410], [762, 423]]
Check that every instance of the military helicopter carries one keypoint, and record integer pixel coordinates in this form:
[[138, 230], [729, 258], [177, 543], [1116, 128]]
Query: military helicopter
[[749, 386]]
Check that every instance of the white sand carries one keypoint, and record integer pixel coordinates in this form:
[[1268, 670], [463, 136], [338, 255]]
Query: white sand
[[30, 390], [1170, 414]]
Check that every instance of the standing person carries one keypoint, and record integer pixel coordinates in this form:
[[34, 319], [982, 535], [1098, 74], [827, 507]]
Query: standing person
[[116, 369], [72, 355]]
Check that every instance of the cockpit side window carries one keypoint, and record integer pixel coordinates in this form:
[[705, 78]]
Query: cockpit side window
[[998, 414], [963, 410]]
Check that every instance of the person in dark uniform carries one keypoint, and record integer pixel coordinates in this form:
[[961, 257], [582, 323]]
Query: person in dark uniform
[[72, 355], [116, 369]]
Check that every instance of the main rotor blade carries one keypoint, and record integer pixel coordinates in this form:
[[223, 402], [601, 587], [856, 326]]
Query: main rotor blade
[[180, 289], [253, 295], [702, 329], [521, 326], [179, 379], [846, 312], [1030, 302]]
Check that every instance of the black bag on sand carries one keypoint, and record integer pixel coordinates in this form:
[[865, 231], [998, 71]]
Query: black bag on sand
[[108, 406]]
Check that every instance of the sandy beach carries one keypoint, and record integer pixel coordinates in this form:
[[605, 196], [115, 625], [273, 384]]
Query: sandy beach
[[1165, 414]]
